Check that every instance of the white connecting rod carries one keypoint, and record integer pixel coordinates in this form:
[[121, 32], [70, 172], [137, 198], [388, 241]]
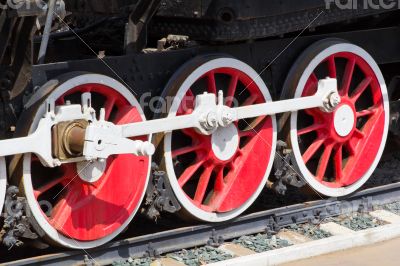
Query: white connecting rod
[[103, 138], [39, 143], [326, 98], [208, 115], [159, 125]]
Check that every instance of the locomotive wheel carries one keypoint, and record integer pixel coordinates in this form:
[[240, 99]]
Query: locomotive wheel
[[66, 208], [337, 152], [217, 177]]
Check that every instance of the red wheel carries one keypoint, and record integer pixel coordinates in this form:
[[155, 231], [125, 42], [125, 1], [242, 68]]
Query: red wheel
[[85, 204], [337, 152], [217, 177]]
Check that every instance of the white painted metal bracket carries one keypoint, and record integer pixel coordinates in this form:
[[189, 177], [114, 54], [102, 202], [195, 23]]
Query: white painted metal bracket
[[103, 139]]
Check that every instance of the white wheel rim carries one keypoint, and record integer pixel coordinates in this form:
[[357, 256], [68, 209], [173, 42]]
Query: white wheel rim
[[308, 176], [36, 211], [181, 196], [3, 182]]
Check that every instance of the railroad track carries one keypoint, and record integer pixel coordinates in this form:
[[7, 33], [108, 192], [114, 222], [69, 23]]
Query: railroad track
[[214, 235]]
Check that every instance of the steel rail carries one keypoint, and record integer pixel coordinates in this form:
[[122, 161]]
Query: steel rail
[[188, 237]]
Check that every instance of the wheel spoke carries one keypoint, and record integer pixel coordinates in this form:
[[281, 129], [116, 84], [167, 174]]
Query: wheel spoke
[[219, 182], [313, 78], [109, 105], [61, 101], [309, 129], [69, 171], [186, 150], [251, 100], [350, 148], [312, 150], [212, 86], [360, 89], [187, 103], [247, 133], [189, 172], [257, 122], [332, 67], [48, 186], [203, 184], [367, 112], [338, 162], [347, 76], [314, 112], [190, 133], [358, 134], [311, 85], [231, 90], [60, 213], [189, 93], [323, 162]]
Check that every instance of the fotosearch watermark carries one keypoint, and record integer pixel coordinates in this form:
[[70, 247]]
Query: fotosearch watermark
[[26, 4], [362, 4], [162, 105]]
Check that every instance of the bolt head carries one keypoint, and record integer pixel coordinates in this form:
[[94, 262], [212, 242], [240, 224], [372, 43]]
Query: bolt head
[[334, 99], [227, 117], [212, 120]]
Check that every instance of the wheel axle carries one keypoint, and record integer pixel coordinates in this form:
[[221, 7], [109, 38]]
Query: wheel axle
[[68, 139]]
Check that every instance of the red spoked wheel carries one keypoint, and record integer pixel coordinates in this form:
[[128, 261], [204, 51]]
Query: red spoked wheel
[[337, 152], [215, 178], [86, 204]]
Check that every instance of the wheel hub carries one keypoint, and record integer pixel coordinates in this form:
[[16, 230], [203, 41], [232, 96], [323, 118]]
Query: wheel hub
[[225, 142], [344, 120], [68, 138], [91, 172]]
